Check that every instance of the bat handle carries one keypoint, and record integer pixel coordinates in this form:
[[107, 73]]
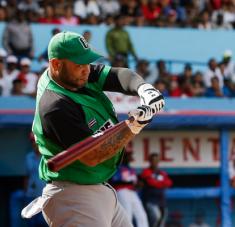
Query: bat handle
[[131, 119]]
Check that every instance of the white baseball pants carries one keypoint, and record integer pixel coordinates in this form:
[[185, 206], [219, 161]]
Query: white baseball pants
[[72, 205], [133, 206]]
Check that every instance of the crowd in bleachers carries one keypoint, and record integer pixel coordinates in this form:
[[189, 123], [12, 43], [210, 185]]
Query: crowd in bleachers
[[16, 78], [218, 80], [203, 14]]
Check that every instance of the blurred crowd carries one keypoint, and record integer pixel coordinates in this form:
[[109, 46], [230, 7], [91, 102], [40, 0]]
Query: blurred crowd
[[203, 14], [218, 79]]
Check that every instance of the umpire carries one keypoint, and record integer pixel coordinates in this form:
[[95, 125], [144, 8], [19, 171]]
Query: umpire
[[71, 106]]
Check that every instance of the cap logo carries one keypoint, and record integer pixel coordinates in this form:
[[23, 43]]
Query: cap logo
[[84, 42]]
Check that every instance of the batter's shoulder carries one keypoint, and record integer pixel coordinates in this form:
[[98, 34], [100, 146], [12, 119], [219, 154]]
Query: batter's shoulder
[[52, 101], [95, 72]]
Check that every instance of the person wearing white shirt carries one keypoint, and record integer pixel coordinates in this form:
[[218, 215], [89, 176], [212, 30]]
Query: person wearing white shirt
[[84, 8], [109, 7], [231, 171], [30, 79], [9, 74], [213, 70], [229, 70]]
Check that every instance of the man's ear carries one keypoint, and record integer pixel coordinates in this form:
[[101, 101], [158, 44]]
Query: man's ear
[[56, 65]]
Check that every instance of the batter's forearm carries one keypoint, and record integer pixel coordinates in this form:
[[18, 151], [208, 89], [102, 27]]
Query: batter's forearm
[[123, 80], [109, 146], [129, 80]]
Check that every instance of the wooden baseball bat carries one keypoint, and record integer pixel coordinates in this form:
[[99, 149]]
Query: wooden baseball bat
[[94, 149]]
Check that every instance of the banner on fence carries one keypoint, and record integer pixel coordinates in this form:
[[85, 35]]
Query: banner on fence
[[180, 148]]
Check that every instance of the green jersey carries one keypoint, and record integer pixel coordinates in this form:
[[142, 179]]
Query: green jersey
[[63, 118]]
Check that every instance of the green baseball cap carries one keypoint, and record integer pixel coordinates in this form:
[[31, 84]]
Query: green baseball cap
[[71, 46]]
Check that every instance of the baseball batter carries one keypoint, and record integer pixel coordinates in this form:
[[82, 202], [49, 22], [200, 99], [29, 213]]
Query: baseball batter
[[71, 106]]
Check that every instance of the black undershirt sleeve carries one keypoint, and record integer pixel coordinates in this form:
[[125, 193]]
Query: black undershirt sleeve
[[62, 120], [112, 82]]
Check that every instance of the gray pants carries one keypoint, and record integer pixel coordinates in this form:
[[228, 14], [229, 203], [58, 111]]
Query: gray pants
[[72, 205]]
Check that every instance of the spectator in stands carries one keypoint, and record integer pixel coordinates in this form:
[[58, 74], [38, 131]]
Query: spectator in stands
[[220, 24], [222, 67], [162, 87], [18, 37], [212, 71], [199, 221], [232, 170], [130, 10], [227, 10], [44, 54], [11, 8], [69, 18], [92, 19], [151, 10], [119, 61], [205, 22], [109, 20], [198, 87], [228, 80], [213, 5], [160, 72], [229, 65], [87, 35], [109, 7], [155, 183], [2, 69], [3, 14], [142, 68], [17, 87], [118, 41], [125, 182], [60, 5], [49, 16], [139, 21], [29, 78], [185, 81], [215, 90], [171, 19], [174, 88], [192, 10], [9, 74], [29, 5], [31, 16], [179, 9], [84, 8], [187, 73], [3, 54]]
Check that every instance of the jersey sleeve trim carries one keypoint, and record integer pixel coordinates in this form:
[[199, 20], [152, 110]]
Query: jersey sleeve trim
[[103, 75]]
